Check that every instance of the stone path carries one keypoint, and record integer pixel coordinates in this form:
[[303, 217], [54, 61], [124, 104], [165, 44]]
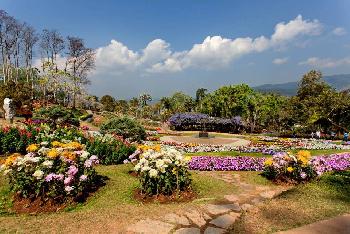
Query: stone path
[[210, 218]]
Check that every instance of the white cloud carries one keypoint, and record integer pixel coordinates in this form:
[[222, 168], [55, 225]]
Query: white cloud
[[279, 61], [339, 31], [214, 52], [325, 62]]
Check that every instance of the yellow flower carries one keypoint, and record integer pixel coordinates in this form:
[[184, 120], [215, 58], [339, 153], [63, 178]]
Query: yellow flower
[[188, 158], [9, 161], [290, 169], [174, 170], [52, 153], [268, 162], [32, 148], [304, 156], [74, 145], [56, 144]]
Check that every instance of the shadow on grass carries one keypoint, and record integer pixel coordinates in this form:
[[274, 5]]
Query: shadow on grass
[[324, 198]]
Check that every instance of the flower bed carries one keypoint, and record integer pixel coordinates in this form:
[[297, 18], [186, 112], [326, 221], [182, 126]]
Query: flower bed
[[162, 171], [59, 172], [207, 163]]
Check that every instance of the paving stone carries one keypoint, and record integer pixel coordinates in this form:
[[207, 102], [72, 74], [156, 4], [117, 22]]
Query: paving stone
[[257, 201], [188, 231], [223, 221], [235, 215], [212, 230], [262, 188], [149, 226], [176, 219], [268, 194], [231, 198], [246, 206], [197, 217], [220, 209]]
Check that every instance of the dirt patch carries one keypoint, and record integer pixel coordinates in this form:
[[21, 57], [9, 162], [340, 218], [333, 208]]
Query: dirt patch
[[35, 206], [183, 196]]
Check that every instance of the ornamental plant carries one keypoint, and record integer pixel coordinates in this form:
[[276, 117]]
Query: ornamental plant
[[58, 171], [286, 167], [162, 171], [128, 128]]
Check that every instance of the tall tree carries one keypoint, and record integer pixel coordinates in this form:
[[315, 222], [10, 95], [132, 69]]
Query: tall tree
[[81, 60]]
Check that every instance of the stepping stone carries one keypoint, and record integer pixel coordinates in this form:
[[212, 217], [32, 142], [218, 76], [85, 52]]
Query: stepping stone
[[149, 226], [262, 188], [220, 209], [188, 231], [268, 194], [176, 219], [212, 230], [231, 198], [257, 201], [235, 215], [197, 217], [223, 221], [246, 207]]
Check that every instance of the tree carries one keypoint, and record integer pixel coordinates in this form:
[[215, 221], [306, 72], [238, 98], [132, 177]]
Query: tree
[[108, 103], [80, 62], [144, 98]]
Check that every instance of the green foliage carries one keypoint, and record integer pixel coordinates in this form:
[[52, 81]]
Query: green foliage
[[16, 140], [109, 150], [127, 128], [58, 115], [108, 103]]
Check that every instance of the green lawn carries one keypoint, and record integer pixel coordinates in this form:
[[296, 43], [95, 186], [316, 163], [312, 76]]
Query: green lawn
[[111, 208], [308, 203]]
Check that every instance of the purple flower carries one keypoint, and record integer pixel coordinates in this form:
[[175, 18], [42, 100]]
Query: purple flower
[[68, 180], [83, 178], [303, 175], [72, 170]]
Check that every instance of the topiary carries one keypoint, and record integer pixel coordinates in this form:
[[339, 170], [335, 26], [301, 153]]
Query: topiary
[[58, 115], [127, 128]]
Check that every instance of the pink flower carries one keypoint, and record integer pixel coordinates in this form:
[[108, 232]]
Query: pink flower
[[68, 180], [83, 178]]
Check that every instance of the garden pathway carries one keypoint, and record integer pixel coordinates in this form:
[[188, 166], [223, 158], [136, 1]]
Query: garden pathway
[[207, 141], [211, 218]]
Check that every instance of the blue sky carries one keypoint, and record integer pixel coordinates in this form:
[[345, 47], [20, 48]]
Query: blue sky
[[163, 46]]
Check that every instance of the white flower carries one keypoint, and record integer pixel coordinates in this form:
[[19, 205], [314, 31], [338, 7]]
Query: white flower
[[153, 173], [145, 168], [48, 163], [44, 143], [85, 154], [7, 171], [137, 167], [38, 174]]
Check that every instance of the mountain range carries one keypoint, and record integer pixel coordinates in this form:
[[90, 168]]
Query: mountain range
[[339, 82]]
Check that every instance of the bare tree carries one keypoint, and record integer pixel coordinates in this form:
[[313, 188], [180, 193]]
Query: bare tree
[[80, 62]]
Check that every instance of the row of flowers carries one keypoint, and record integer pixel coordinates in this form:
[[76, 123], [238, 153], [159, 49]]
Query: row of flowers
[[267, 148], [280, 162]]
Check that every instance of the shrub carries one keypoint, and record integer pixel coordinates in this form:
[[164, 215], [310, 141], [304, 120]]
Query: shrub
[[58, 115], [285, 167], [193, 121], [16, 139], [163, 171], [109, 149], [64, 170], [127, 128]]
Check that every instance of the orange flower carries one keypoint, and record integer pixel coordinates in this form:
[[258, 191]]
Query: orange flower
[[69, 155], [9, 161], [32, 148]]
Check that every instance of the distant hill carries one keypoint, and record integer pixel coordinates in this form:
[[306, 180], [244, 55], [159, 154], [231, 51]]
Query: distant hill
[[340, 82]]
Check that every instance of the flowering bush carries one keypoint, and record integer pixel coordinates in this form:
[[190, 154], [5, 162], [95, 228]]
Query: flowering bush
[[110, 149], [63, 170], [286, 167], [162, 171], [16, 139], [334, 162]]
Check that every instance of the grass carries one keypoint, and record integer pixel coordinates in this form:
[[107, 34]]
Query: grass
[[307, 203], [111, 208]]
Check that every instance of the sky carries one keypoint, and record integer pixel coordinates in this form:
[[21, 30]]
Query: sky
[[163, 46]]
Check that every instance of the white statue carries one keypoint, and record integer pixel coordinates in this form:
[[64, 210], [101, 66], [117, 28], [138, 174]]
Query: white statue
[[9, 109]]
